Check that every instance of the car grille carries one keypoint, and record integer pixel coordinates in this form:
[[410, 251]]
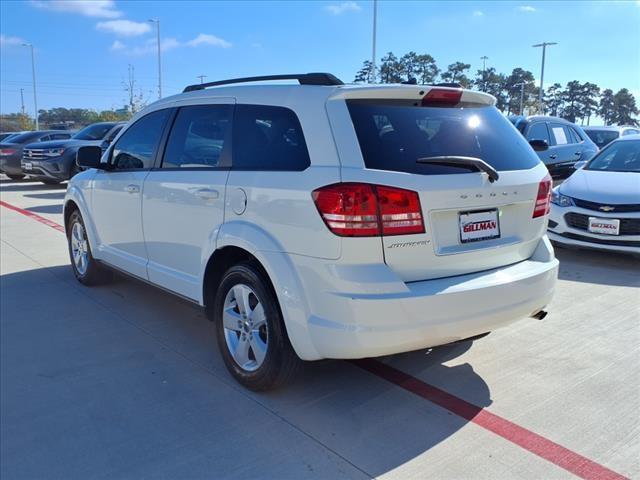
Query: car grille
[[631, 207], [628, 226], [29, 154], [601, 241]]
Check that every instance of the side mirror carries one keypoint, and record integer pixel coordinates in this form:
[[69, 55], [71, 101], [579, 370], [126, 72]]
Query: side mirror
[[580, 164], [89, 157], [539, 145]]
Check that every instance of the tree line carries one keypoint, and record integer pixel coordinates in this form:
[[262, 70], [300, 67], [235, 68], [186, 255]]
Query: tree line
[[515, 92]]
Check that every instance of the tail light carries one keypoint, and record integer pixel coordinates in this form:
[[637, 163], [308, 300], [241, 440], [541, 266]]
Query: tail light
[[441, 96], [5, 152], [543, 200], [364, 210]]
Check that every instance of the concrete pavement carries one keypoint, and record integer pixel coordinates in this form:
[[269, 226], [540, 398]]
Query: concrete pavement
[[124, 381]]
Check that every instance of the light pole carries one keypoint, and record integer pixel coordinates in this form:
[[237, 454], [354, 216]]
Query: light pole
[[157, 22], [201, 77], [373, 49], [544, 46], [33, 73], [521, 85], [484, 59]]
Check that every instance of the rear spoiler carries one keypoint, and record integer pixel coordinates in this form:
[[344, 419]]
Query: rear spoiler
[[407, 92]]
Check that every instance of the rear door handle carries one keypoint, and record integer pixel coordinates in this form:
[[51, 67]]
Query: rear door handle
[[207, 193], [553, 157], [578, 153], [132, 189]]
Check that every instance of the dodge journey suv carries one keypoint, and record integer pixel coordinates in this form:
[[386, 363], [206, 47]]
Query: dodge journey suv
[[321, 220]]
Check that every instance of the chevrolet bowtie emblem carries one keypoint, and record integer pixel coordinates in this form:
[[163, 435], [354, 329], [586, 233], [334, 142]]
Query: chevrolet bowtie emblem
[[607, 208]]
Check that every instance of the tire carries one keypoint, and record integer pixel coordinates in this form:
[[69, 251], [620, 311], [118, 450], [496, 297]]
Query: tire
[[74, 170], [14, 176], [264, 332], [85, 268], [51, 182]]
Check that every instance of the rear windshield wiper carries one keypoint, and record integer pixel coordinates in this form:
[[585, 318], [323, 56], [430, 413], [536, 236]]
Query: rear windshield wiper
[[462, 162]]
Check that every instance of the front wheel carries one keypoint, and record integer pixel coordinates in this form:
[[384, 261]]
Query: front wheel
[[85, 268], [51, 182], [251, 335]]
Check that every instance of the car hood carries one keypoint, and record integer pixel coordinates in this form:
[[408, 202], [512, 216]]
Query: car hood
[[71, 142], [603, 187]]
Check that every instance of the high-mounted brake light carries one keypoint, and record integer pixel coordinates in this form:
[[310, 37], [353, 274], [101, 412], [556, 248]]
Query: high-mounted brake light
[[441, 96], [543, 200], [364, 210]]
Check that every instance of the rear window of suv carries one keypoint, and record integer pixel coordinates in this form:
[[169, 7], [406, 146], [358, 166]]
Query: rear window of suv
[[394, 136]]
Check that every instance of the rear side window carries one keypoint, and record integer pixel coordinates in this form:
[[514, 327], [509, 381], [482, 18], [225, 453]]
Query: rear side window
[[559, 136], [577, 136], [60, 136], [395, 136], [268, 138], [137, 146], [538, 131], [197, 137]]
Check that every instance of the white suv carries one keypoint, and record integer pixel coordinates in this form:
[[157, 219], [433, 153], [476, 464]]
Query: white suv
[[321, 220]]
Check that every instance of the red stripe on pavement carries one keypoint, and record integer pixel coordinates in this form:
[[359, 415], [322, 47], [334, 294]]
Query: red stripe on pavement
[[528, 440], [33, 216]]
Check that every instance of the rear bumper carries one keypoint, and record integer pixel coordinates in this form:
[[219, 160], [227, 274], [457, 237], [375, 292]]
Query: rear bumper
[[428, 313]]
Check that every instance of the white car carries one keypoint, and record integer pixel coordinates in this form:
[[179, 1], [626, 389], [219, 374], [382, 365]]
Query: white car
[[321, 220], [598, 207]]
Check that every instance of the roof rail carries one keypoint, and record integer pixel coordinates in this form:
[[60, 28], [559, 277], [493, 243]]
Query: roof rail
[[303, 78]]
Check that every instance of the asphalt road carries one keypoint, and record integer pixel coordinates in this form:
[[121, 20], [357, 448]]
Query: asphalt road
[[124, 381]]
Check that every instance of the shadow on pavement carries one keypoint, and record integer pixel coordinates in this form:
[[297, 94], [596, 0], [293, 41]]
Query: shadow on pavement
[[46, 196], [26, 187], [604, 268], [54, 208], [125, 371]]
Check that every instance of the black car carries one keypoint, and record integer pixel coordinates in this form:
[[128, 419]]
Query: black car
[[55, 161], [11, 149], [567, 142]]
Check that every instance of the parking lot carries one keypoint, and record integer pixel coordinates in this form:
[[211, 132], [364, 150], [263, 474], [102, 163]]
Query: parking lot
[[124, 381]]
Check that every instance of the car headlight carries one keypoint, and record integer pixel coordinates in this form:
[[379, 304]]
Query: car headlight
[[53, 152], [561, 200]]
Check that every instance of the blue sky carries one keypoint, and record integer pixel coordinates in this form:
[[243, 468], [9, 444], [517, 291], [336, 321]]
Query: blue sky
[[83, 48]]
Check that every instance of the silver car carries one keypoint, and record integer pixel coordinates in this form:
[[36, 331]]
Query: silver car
[[604, 135]]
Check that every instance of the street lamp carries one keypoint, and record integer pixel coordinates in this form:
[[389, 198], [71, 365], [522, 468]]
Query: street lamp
[[33, 73], [373, 46], [544, 46], [157, 22], [521, 85], [484, 58]]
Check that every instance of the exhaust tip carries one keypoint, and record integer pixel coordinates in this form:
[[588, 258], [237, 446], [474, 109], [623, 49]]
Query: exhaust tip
[[540, 314]]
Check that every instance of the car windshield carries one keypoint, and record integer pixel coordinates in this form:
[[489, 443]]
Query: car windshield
[[97, 131], [397, 136], [602, 137], [623, 156]]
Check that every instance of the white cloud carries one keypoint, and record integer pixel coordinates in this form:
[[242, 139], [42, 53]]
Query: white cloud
[[340, 8], [88, 8], [124, 28], [170, 43], [478, 13], [6, 41], [527, 8], [206, 39]]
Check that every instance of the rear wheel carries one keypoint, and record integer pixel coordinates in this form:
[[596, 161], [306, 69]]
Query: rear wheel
[[85, 268], [250, 330], [14, 176]]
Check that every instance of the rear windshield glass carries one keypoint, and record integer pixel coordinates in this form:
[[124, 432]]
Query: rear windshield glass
[[393, 137], [24, 138], [602, 137]]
